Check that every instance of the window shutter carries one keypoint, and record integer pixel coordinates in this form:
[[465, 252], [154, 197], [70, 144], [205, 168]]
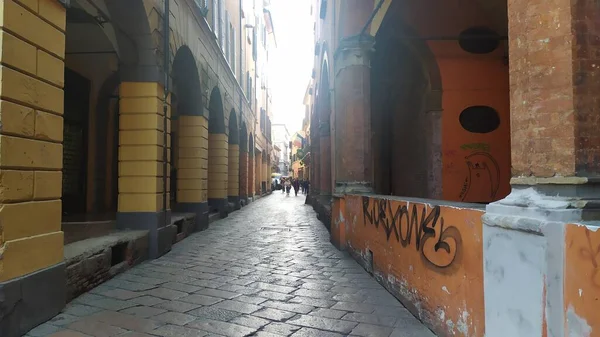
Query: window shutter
[[215, 17], [222, 23], [226, 37], [233, 45]]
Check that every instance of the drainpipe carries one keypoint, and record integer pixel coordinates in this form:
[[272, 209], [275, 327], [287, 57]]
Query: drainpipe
[[375, 11], [240, 83], [167, 52]]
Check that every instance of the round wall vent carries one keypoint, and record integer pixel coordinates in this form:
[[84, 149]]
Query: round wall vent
[[479, 119], [479, 40]]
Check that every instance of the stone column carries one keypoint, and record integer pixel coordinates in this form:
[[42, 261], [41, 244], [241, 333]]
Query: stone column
[[244, 175], [141, 164], [233, 178], [264, 172], [353, 159], [32, 271], [218, 160], [257, 173], [192, 184], [251, 185], [554, 77], [325, 158]]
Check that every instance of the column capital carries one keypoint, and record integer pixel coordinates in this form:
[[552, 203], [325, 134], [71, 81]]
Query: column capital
[[354, 50]]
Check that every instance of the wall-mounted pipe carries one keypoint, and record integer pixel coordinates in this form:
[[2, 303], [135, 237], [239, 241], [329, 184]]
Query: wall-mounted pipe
[[167, 52], [375, 11]]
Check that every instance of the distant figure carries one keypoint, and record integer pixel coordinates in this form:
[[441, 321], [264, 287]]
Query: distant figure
[[306, 187], [296, 186], [288, 186]]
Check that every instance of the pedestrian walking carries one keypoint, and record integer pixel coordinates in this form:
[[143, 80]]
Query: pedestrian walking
[[288, 186], [296, 186]]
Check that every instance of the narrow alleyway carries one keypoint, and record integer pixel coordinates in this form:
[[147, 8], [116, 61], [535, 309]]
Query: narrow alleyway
[[268, 270]]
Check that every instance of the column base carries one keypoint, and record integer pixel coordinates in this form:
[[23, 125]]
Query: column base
[[160, 237], [243, 200], [236, 201], [31, 300], [523, 250], [201, 211], [571, 199], [354, 187], [219, 205]]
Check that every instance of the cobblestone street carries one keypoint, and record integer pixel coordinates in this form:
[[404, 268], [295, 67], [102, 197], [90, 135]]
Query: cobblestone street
[[267, 270]]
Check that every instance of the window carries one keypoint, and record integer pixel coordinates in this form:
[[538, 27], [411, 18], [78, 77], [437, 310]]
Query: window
[[249, 83], [254, 42], [263, 120], [232, 48], [215, 17], [323, 11], [226, 45], [221, 34]]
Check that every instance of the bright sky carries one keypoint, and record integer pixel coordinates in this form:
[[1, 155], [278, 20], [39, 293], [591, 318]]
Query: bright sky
[[291, 65]]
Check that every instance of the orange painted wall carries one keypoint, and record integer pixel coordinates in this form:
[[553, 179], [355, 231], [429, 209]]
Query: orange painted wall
[[467, 80], [582, 279], [447, 283]]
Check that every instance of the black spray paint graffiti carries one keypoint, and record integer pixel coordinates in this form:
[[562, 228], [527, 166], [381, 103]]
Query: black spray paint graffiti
[[483, 181], [439, 245]]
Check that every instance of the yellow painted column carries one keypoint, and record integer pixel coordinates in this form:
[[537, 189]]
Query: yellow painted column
[[141, 164], [32, 51], [141, 142], [31, 133], [192, 186], [233, 179], [218, 160]]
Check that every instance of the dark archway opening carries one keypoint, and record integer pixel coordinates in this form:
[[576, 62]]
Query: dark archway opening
[[233, 168], [217, 154], [186, 106], [406, 104], [90, 127]]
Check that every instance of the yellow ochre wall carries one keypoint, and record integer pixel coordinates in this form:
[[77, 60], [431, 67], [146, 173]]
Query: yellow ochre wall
[[233, 183], [217, 165], [141, 147], [192, 173], [32, 79]]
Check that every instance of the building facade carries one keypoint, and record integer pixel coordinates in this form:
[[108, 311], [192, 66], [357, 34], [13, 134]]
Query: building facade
[[459, 160], [117, 118], [298, 153], [281, 138]]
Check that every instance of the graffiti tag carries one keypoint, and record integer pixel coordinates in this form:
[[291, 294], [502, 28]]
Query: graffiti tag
[[483, 179], [438, 244], [476, 147]]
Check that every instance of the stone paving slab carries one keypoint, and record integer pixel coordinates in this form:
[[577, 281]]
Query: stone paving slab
[[267, 270]]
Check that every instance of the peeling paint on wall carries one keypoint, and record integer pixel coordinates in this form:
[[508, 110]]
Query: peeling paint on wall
[[582, 281], [578, 327], [429, 256]]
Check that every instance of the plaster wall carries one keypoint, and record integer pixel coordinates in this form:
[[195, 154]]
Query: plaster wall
[[430, 256]]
